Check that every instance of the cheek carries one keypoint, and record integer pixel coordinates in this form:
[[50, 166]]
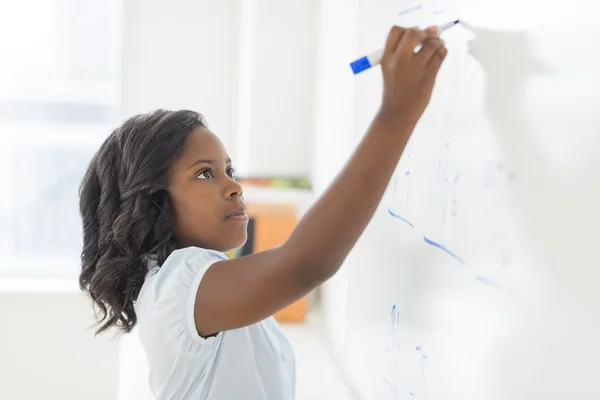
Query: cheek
[[198, 213], [191, 216]]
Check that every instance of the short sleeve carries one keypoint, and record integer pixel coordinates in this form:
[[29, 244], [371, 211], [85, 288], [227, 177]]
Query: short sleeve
[[167, 299]]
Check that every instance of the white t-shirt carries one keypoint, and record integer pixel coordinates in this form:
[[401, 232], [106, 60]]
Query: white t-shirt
[[254, 362]]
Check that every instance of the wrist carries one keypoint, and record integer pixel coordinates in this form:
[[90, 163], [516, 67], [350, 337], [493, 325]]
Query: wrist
[[397, 121]]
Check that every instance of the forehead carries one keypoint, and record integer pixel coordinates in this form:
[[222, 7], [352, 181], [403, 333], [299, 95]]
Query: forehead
[[201, 144]]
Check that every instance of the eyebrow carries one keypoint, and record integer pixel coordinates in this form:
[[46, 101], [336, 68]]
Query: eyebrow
[[212, 162]]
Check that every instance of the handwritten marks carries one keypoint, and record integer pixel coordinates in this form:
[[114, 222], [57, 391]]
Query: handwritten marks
[[394, 350], [411, 9], [444, 249], [409, 374], [488, 188], [401, 218]]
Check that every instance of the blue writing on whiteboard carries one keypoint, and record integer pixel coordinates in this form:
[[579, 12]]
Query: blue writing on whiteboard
[[439, 246], [401, 218], [422, 358], [408, 10], [495, 284]]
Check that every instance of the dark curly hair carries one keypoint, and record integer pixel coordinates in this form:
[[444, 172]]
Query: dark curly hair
[[126, 212]]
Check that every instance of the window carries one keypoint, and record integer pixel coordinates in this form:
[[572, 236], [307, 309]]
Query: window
[[59, 98]]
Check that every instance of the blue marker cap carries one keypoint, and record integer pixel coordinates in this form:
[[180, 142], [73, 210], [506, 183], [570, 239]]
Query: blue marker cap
[[360, 65]]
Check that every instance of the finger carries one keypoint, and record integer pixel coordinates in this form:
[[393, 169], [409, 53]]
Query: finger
[[411, 38], [392, 40], [435, 62], [415, 37], [432, 31], [428, 49]]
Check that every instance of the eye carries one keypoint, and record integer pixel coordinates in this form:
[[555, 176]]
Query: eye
[[205, 174], [231, 172]]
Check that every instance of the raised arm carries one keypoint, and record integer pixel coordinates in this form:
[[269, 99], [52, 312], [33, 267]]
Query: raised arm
[[242, 291]]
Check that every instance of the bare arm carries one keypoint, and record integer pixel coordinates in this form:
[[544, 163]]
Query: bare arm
[[242, 291]]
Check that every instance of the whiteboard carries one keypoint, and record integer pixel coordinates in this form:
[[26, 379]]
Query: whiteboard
[[477, 278]]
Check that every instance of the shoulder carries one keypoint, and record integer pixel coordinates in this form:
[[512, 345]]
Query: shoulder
[[169, 289], [185, 263]]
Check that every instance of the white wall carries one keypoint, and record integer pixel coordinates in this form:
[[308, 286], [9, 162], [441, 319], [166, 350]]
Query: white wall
[[182, 54], [335, 134], [248, 66], [48, 352], [283, 76]]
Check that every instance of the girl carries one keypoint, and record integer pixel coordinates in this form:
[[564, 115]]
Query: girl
[[160, 205]]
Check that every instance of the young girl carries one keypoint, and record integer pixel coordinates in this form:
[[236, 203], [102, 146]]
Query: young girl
[[160, 205]]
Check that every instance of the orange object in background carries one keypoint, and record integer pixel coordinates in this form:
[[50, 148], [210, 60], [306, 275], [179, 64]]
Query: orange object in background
[[273, 224]]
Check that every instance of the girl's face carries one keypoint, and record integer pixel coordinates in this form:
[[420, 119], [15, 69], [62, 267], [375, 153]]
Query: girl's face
[[208, 206]]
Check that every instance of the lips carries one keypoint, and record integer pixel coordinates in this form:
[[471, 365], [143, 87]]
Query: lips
[[238, 214]]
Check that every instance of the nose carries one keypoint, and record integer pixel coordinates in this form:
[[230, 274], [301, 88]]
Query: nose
[[234, 189]]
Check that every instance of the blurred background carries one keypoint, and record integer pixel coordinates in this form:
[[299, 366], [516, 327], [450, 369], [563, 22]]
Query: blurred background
[[72, 71]]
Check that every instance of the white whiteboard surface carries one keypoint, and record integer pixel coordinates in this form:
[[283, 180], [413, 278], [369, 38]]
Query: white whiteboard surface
[[478, 276]]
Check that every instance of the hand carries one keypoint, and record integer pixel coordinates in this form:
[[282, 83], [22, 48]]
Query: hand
[[408, 77]]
